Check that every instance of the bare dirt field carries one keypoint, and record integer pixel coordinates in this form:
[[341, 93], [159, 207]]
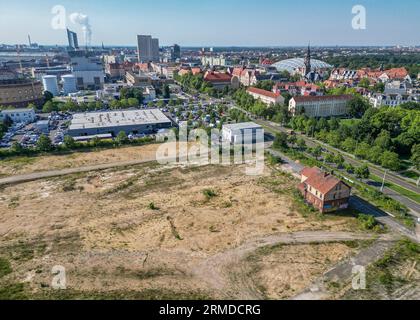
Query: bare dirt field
[[152, 231], [23, 165]]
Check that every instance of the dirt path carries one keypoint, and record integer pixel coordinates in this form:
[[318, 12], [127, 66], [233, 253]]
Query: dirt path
[[342, 272], [56, 173], [217, 270]]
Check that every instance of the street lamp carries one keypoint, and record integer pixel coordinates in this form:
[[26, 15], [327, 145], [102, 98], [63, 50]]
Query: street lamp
[[383, 181]]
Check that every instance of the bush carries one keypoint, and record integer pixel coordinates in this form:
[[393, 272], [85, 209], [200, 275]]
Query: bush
[[209, 193]]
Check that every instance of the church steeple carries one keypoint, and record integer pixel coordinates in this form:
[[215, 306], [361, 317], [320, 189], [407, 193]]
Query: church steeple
[[308, 60]]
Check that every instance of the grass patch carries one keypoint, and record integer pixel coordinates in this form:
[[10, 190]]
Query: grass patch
[[5, 267]]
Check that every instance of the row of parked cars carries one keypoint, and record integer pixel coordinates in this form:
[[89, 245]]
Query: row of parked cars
[[14, 129]]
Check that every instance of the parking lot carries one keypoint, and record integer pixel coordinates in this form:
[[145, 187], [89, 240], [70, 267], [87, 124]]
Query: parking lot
[[27, 134]]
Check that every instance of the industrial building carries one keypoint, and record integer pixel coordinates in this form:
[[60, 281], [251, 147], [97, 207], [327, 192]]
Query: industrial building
[[237, 133], [69, 84], [88, 70], [19, 92], [112, 122], [50, 84]]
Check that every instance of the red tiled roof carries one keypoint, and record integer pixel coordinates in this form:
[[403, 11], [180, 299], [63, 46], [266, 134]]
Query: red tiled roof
[[396, 73], [217, 77], [322, 98], [307, 172], [321, 181], [263, 92]]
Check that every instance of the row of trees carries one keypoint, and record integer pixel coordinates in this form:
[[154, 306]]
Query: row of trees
[[380, 136], [44, 144]]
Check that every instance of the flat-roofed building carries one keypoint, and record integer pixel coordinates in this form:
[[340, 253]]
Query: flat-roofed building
[[238, 133], [320, 106], [113, 122], [18, 115]]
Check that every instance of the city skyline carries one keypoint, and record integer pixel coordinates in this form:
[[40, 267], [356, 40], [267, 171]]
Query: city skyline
[[236, 23]]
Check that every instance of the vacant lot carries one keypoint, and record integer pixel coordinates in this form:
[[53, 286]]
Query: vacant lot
[[22, 165], [148, 232]]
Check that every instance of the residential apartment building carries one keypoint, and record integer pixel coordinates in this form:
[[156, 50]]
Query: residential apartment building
[[391, 100], [265, 96], [324, 191], [148, 48], [320, 106]]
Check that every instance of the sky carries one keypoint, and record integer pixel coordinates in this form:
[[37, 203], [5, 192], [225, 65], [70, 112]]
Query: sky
[[216, 22]]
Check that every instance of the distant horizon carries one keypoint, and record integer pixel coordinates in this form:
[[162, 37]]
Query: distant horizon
[[215, 23]]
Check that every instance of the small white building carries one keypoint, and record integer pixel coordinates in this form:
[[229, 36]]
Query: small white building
[[238, 133], [18, 115]]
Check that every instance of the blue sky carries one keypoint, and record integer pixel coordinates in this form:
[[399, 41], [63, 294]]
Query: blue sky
[[218, 22]]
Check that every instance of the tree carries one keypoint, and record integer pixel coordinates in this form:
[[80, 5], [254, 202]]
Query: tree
[[121, 138], [44, 143], [384, 140], [69, 142], [292, 139], [349, 144], [364, 83], [280, 140], [349, 168], [374, 154], [166, 92], [415, 158], [317, 152], [339, 160], [16, 148], [48, 107], [301, 144], [390, 160], [357, 106], [362, 172], [48, 96]]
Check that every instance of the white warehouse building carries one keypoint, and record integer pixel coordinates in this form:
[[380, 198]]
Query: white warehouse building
[[113, 122], [238, 133]]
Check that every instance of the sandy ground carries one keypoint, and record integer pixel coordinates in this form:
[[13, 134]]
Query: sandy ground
[[148, 227], [22, 165]]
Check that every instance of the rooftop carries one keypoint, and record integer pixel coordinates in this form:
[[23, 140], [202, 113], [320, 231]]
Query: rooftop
[[117, 118], [242, 126], [322, 98], [263, 92]]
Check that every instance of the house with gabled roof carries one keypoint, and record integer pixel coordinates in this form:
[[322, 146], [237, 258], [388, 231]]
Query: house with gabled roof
[[324, 191]]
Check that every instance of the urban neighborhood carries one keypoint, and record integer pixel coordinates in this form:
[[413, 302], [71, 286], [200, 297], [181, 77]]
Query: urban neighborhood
[[334, 130]]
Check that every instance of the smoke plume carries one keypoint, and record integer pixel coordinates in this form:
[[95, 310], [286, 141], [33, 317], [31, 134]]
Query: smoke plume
[[83, 21]]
